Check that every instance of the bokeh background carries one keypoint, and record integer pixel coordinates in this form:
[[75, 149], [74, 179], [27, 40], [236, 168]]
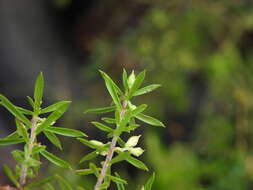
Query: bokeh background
[[200, 51]]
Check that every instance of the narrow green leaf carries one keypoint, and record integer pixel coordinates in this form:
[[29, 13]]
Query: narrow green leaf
[[120, 186], [89, 156], [113, 83], [64, 184], [48, 186], [131, 113], [94, 168], [53, 107], [55, 160], [53, 117], [124, 79], [11, 108], [40, 182], [150, 182], [112, 89], [10, 141], [37, 148], [104, 185], [10, 175], [30, 101], [101, 110], [24, 111], [146, 89], [150, 120], [121, 142], [84, 172], [18, 155], [66, 132], [88, 143], [137, 163], [22, 130], [108, 120], [102, 127], [53, 139], [38, 91], [120, 157], [137, 83], [116, 179]]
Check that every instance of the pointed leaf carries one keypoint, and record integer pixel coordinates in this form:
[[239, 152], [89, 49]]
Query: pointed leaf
[[102, 127], [108, 120], [64, 184], [11, 108], [30, 101], [112, 89], [146, 89], [55, 160], [124, 79], [24, 111], [150, 120], [22, 130], [53, 117], [120, 186], [88, 143], [89, 156], [84, 172], [48, 186], [101, 110], [18, 155], [120, 157], [150, 182], [66, 132], [10, 175], [116, 179], [137, 83], [94, 168], [10, 141], [38, 91], [53, 139], [40, 182], [137, 163], [53, 107]]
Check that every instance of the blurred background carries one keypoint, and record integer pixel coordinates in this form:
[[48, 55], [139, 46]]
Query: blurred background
[[200, 51]]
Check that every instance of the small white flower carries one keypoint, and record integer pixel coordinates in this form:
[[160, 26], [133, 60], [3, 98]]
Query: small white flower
[[131, 79], [136, 151], [132, 141]]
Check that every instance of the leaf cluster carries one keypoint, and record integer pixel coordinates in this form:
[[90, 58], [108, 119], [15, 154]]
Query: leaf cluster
[[30, 124], [125, 119]]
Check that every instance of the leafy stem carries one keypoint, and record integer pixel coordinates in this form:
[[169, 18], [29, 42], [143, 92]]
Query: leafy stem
[[28, 153], [110, 152]]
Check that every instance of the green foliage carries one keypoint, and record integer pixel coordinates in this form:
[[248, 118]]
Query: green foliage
[[125, 113], [28, 159]]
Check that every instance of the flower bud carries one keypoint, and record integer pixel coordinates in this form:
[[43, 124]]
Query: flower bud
[[131, 80], [136, 151], [97, 143], [132, 141]]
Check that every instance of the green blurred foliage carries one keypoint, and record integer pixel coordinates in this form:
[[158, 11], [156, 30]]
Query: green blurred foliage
[[201, 53]]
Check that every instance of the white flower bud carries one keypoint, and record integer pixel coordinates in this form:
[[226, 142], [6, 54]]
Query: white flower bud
[[96, 143], [136, 151], [132, 141], [131, 80]]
